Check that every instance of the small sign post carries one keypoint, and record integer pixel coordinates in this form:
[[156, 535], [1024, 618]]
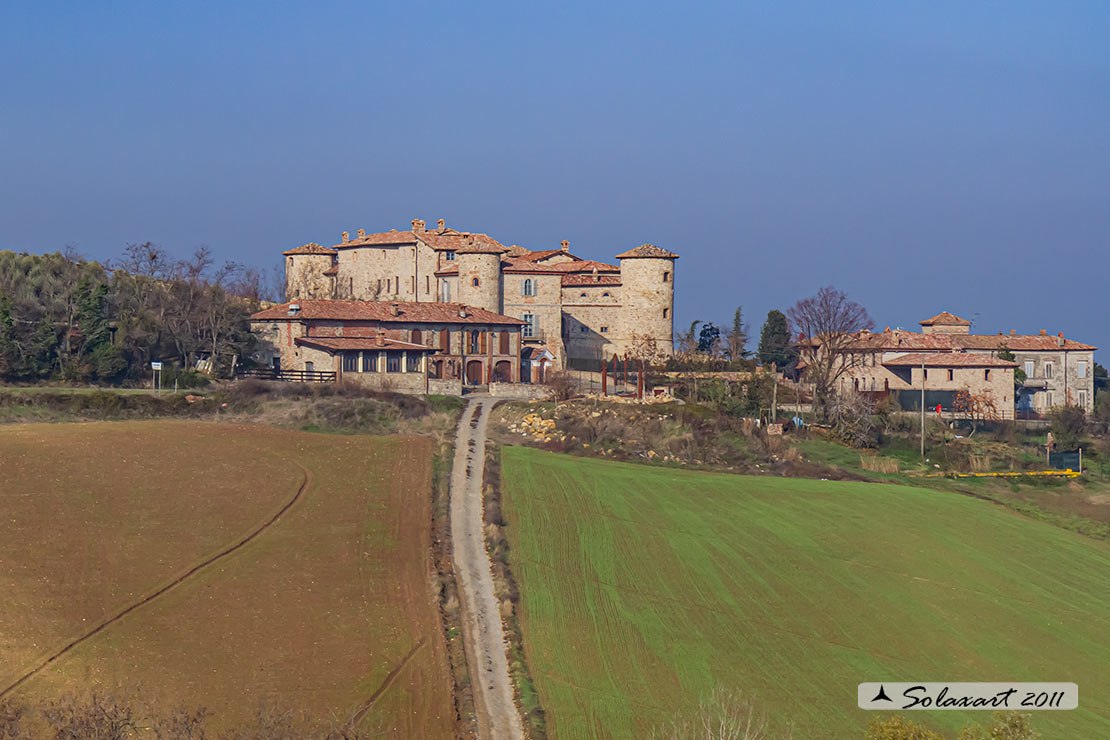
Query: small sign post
[[156, 377]]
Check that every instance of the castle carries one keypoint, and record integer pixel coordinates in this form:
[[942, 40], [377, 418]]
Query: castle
[[581, 311]]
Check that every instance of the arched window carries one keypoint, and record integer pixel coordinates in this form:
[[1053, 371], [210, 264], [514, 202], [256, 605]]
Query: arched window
[[666, 312], [290, 261], [474, 282], [666, 277], [417, 337], [583, 295], [604, 295], [528, 287]]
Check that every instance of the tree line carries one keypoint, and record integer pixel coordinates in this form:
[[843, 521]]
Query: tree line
[[63, 317]]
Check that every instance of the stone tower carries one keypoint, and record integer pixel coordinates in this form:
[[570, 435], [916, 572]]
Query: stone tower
[[305, 269], [480, 275], [647, 296]]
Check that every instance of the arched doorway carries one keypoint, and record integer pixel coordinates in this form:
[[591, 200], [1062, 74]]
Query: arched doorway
[[474, 372], [503, 372]]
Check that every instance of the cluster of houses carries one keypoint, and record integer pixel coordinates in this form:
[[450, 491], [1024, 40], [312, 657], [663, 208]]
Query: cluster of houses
[[945, 358], [432, 310]]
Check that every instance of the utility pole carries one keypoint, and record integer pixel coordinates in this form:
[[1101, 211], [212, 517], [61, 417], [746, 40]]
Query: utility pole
[[922, 405]]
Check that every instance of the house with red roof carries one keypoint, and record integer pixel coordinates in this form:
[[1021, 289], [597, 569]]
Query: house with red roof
[[1024, 374]]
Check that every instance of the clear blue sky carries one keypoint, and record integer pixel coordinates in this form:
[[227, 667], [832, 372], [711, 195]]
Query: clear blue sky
[[921, 156]]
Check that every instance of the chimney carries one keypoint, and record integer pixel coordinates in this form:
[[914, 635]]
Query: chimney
[[886, 330], [597, 278], [394, 308], [442, 225], [381, 337], [1060, 339], [565, 245], [1013, 332], [361, 233], [463, 313], [418, 224], [1043, 332], [865, 332], [345, 237]]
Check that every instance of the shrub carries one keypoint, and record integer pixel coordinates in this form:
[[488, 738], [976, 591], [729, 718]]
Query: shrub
[[1069, 426], [899, 728]]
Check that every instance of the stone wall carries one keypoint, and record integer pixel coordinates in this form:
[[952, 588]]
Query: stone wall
[[304, 276], [1072, 380], [545, 306], [485, 269], [647, 300]]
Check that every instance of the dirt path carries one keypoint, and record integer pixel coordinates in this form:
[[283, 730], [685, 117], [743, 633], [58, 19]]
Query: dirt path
[[172, 584], [498, 718]]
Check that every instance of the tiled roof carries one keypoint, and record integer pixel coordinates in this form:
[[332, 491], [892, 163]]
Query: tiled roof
[[310, 248], [911, 341], [945, 319], [544, 254], [339, 344], [445, 240], [586, 279], [647, 250], [947, 359], [407, 311], [333, 270], [481, 247]]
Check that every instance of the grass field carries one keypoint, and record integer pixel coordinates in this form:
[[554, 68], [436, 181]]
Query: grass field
[[313, 613], [643, 589]]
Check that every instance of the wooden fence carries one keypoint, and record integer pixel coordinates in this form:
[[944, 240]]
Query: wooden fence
[[289, 376]]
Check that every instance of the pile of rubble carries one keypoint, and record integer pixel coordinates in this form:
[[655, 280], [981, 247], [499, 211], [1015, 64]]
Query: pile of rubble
[[538, 428]]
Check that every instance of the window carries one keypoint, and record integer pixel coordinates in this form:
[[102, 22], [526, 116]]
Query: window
[[528, 287], [427, 284], [369, 362], [351, 285], [1081, 369], [1082, 399], [1048, 370], [583, 295], [290, 261], [1048, 399], [449, 255], [393, 362], [951, 374], [387, 285], [987, 374], [666, 312], [605, 330], [475, 282], [308, 366], [445, 291], [350, 362], [666, 277], [416, 336], [412, 284], [583, 329], [530, 324], [474, 345], [1030, 368], [604, 295], [503, 347], [412, 364]]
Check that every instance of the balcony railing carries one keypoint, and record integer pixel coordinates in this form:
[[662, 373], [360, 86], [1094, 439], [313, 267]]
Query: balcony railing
[[531, 333]]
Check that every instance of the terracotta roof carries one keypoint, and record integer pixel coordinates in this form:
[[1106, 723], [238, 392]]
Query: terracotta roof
[[947, 359], [584, 266], [546, 253], [647, 250], [339, 344], [945, 319], [580, 279], [910, 341], [333, 270], [481, 247], [393, 236], [407, 311], [310, 248], [515, 250]]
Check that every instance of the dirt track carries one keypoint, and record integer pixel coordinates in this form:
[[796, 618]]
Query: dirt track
[[498, 718]]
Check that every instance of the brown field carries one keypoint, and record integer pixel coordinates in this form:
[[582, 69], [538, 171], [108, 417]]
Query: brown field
[[317, 611]]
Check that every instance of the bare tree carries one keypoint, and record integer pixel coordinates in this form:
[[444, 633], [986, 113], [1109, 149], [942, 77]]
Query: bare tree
[[724, 715], [829, 325], [100, 717]]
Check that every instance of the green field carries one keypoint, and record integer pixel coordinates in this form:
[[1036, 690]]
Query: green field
[[643, 589]]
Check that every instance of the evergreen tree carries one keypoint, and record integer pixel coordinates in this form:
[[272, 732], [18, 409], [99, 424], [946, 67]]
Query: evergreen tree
[[774, 340], [737, 339]]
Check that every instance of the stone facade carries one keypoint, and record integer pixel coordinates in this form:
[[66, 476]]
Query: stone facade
[[1059, 371], [402, 346], [582, 311]]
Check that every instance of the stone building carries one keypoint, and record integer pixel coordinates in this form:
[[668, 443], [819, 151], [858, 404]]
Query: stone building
[[406, 347], [581, 311], [1058, 371]]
